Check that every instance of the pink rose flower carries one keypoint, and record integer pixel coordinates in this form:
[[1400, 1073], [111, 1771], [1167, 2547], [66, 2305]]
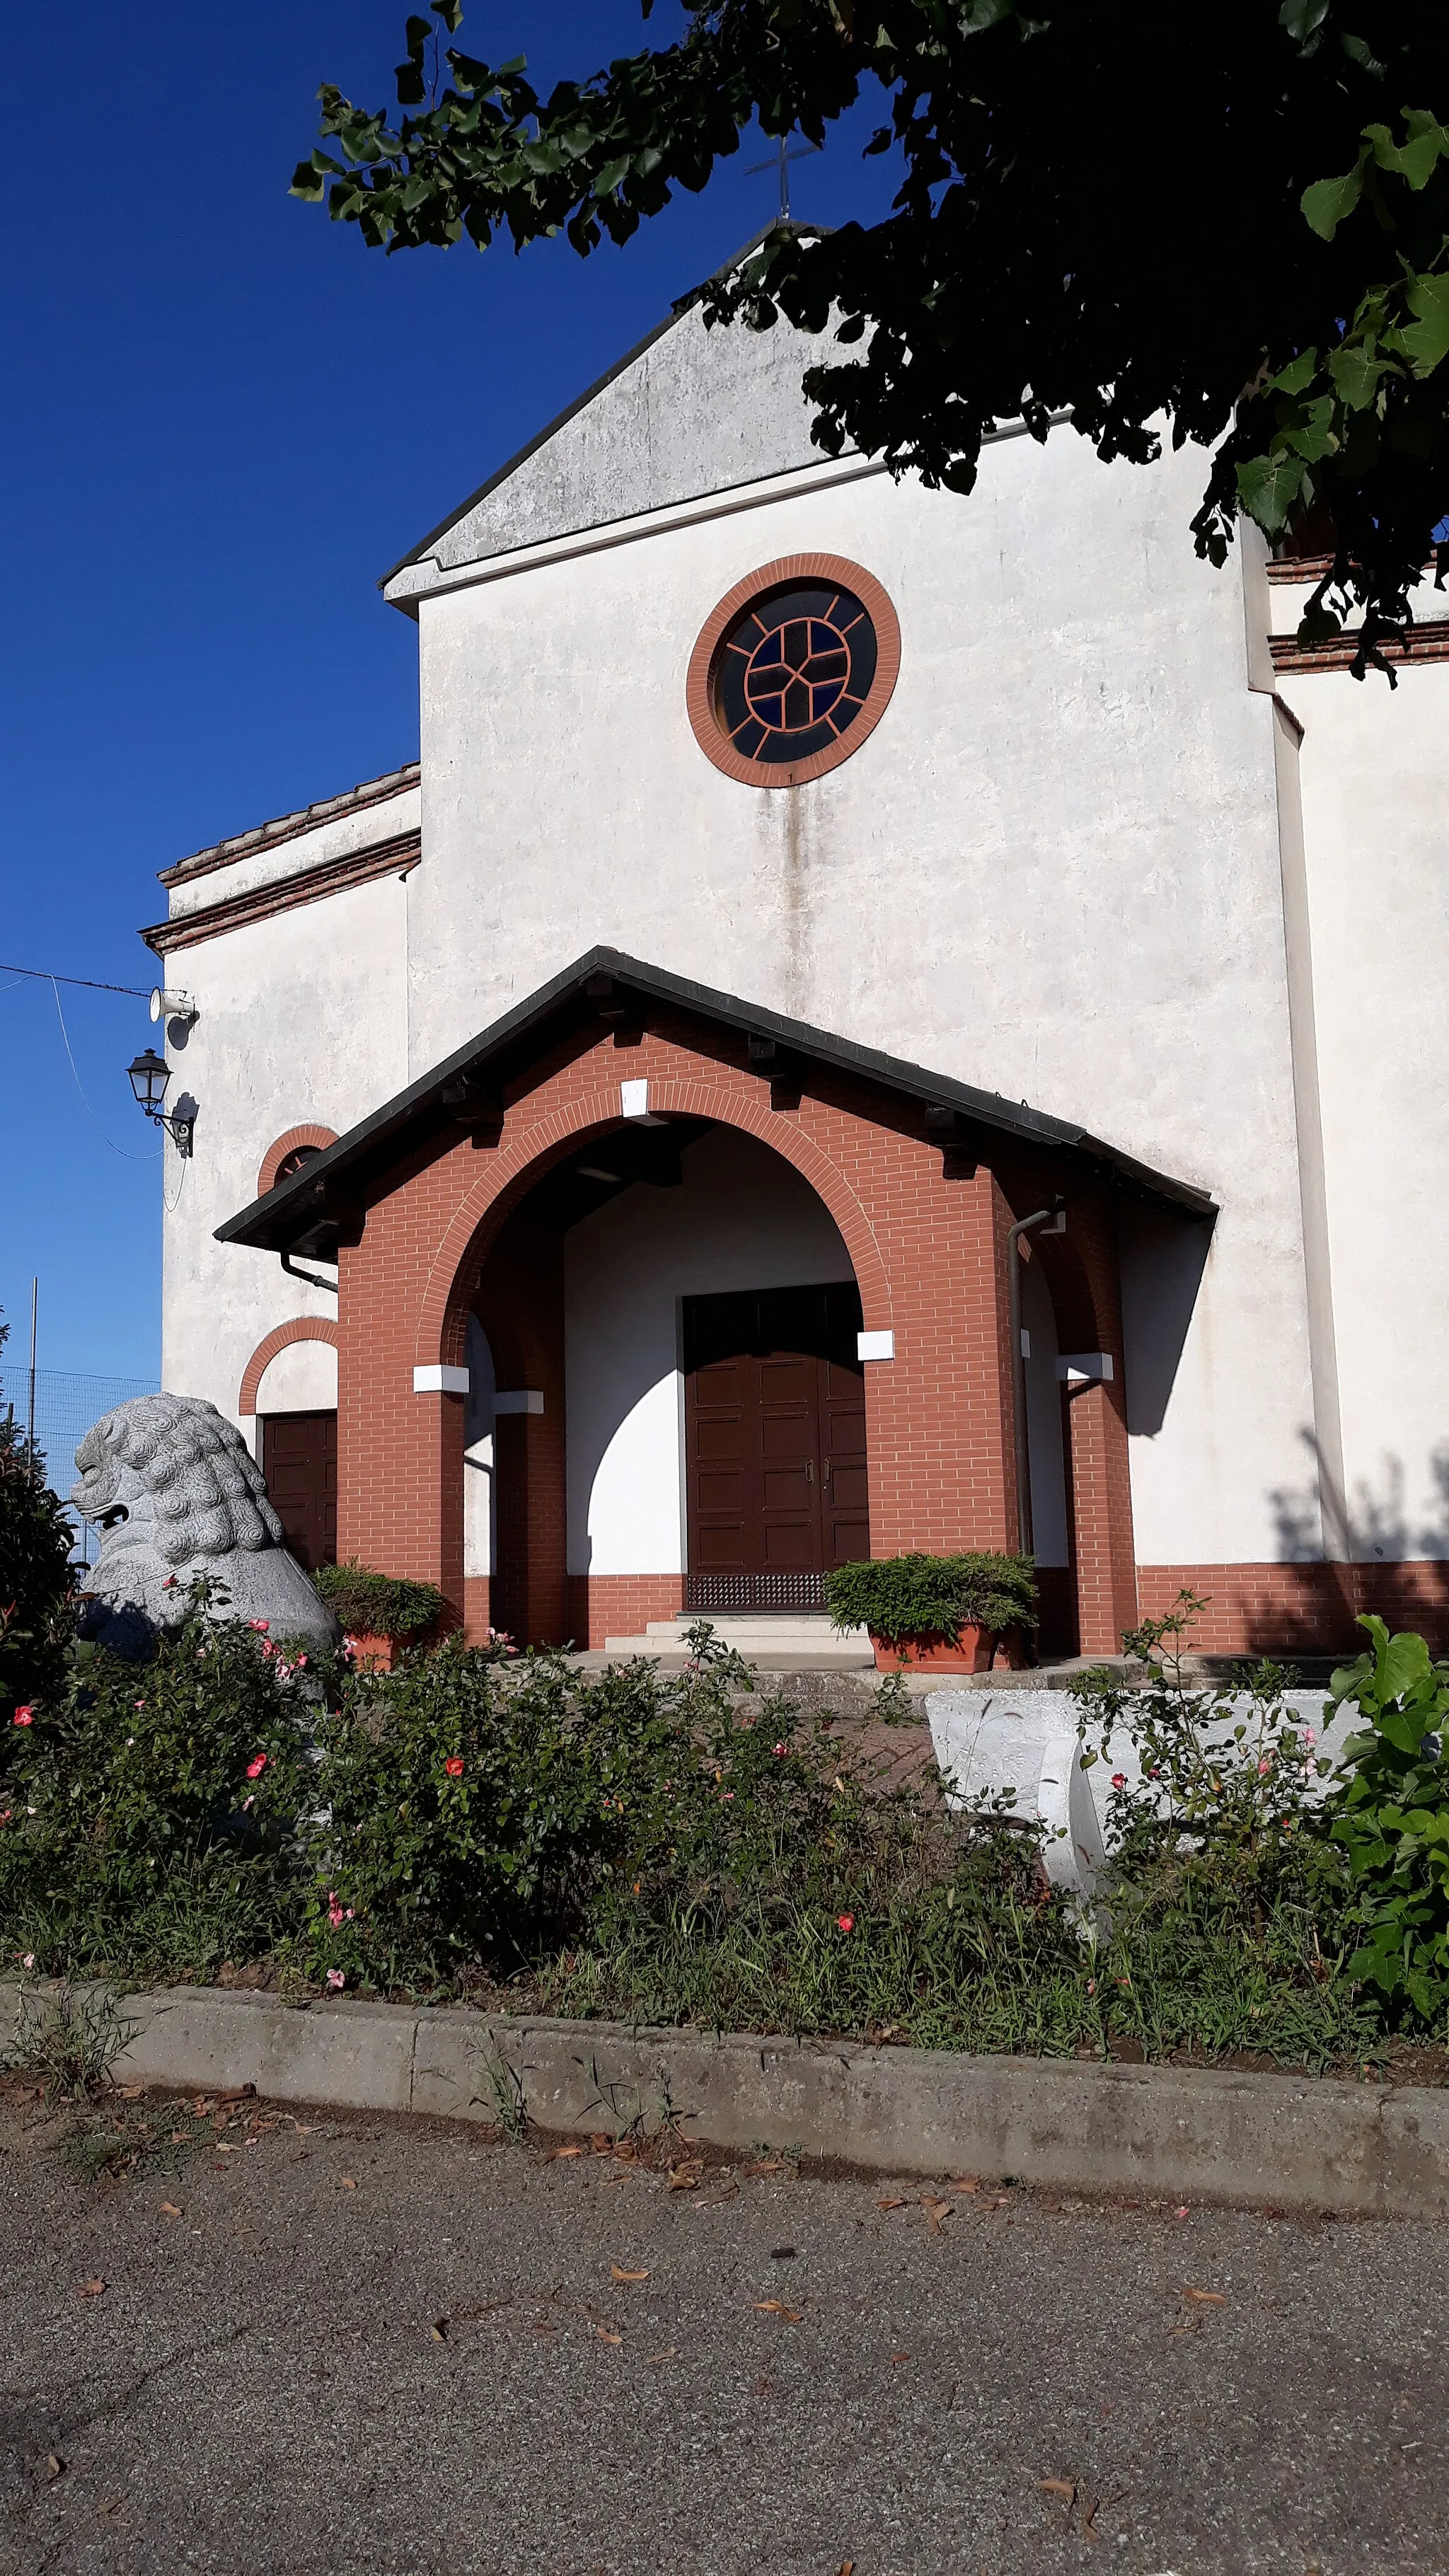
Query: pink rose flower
[[261, 1625], [845, 1922], [779, 1751], [336, 1979], [1119, 1779], [256, 1767], [24, 1717], [453, 1766]]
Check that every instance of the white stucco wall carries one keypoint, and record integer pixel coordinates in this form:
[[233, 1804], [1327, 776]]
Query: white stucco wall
[[742, 1219], [1059, 868], [1374, 771], [303, 1017], [1051, 870]]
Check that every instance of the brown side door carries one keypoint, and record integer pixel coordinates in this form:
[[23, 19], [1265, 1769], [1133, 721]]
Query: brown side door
[[774, 1441], [299, 1462]]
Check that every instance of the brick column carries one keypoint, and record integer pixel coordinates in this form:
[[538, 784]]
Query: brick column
[[1083, 1273], [399, 1454], [520, 1306], [938, 1417]]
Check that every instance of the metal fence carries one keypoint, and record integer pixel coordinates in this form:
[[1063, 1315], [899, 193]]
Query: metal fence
[[67, 1402]]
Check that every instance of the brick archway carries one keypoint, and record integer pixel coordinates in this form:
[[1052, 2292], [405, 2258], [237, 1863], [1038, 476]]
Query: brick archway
[[442, 1314], [925, 1229], [302, 1328]]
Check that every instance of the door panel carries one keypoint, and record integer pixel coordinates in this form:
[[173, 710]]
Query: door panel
[[298, 1457], [774, 1442]]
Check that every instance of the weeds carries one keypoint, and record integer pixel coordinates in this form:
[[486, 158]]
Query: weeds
[[66, 2040]]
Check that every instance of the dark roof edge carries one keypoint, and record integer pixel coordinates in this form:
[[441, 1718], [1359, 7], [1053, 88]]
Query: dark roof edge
[[1028, 1126], [682, 304]]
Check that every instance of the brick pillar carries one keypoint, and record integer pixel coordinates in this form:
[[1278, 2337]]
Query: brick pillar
[[399, 1454], [938, 1416], [1084, 1278], [520, 1306]]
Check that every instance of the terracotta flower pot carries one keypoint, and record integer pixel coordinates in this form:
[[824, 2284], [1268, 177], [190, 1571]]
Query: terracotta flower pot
[[373, 1654], [970, 1653]]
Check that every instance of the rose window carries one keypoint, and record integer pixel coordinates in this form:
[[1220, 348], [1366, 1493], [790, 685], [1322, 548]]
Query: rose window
[[793, 673]]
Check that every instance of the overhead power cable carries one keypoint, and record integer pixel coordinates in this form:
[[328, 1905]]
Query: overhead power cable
[[137, 992]]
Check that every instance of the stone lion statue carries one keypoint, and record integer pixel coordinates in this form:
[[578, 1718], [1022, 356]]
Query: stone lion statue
[[174, 1492]]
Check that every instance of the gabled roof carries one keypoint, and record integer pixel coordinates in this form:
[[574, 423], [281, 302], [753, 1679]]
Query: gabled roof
[[304, 1213], [647, 434]]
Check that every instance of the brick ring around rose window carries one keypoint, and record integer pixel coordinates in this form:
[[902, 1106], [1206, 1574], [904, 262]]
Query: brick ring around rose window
[[793, 670]]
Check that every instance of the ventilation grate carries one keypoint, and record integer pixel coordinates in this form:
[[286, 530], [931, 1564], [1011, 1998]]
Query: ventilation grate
[[754, 1592]]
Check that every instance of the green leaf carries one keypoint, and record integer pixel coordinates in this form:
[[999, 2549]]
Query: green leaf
[[1298, 375], [1403, 1662], [1302, 18], [1415, 159], [1325, 204], [1357, 372], [1268, 486], [451, 13], [1426, 339]]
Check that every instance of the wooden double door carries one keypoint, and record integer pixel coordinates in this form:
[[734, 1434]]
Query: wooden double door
[[298, 1457], [775, 1457]]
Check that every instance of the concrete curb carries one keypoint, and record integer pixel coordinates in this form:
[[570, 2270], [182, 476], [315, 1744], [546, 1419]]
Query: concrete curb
[[1293, 2142]]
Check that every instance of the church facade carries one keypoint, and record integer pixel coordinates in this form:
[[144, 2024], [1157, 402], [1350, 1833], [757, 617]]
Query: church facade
[[880, 1020]]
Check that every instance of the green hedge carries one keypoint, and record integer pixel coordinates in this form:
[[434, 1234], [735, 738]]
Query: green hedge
[[377, 1605], [906, 1597]]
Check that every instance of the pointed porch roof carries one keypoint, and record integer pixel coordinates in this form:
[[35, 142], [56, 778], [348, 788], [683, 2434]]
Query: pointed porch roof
[[304, 1213]]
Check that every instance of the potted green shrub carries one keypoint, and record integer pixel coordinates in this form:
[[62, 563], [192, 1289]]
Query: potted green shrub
[[943, 1613], [379, 1614]]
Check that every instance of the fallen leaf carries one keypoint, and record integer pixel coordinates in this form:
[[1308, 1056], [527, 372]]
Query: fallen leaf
[[671, 2353], [777, 2308], [349, 2182], [685, 2177], [606, 2337], [846, 2567], [891, 2204], [132, 2092], [935, 2211], [1181, 2213], [782, 2253], [626, 2152], [560, 2152], [304, 2128], [439, 2329], [899, 2356], [89, 2289], [773, 2164], [1059, 2486], [54, 2465], [965, 2186], [615, 2274], [600, 2143], [113, 2505], [169, 2209], [1208, 2298]]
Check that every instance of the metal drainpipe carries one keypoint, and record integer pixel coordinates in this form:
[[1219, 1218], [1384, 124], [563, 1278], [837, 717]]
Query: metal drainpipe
[[1024, 1225]]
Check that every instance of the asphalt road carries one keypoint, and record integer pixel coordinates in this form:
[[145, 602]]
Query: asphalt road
[[371, 2347]]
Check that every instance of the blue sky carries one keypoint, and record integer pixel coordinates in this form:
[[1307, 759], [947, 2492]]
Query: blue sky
[[223, 420]]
